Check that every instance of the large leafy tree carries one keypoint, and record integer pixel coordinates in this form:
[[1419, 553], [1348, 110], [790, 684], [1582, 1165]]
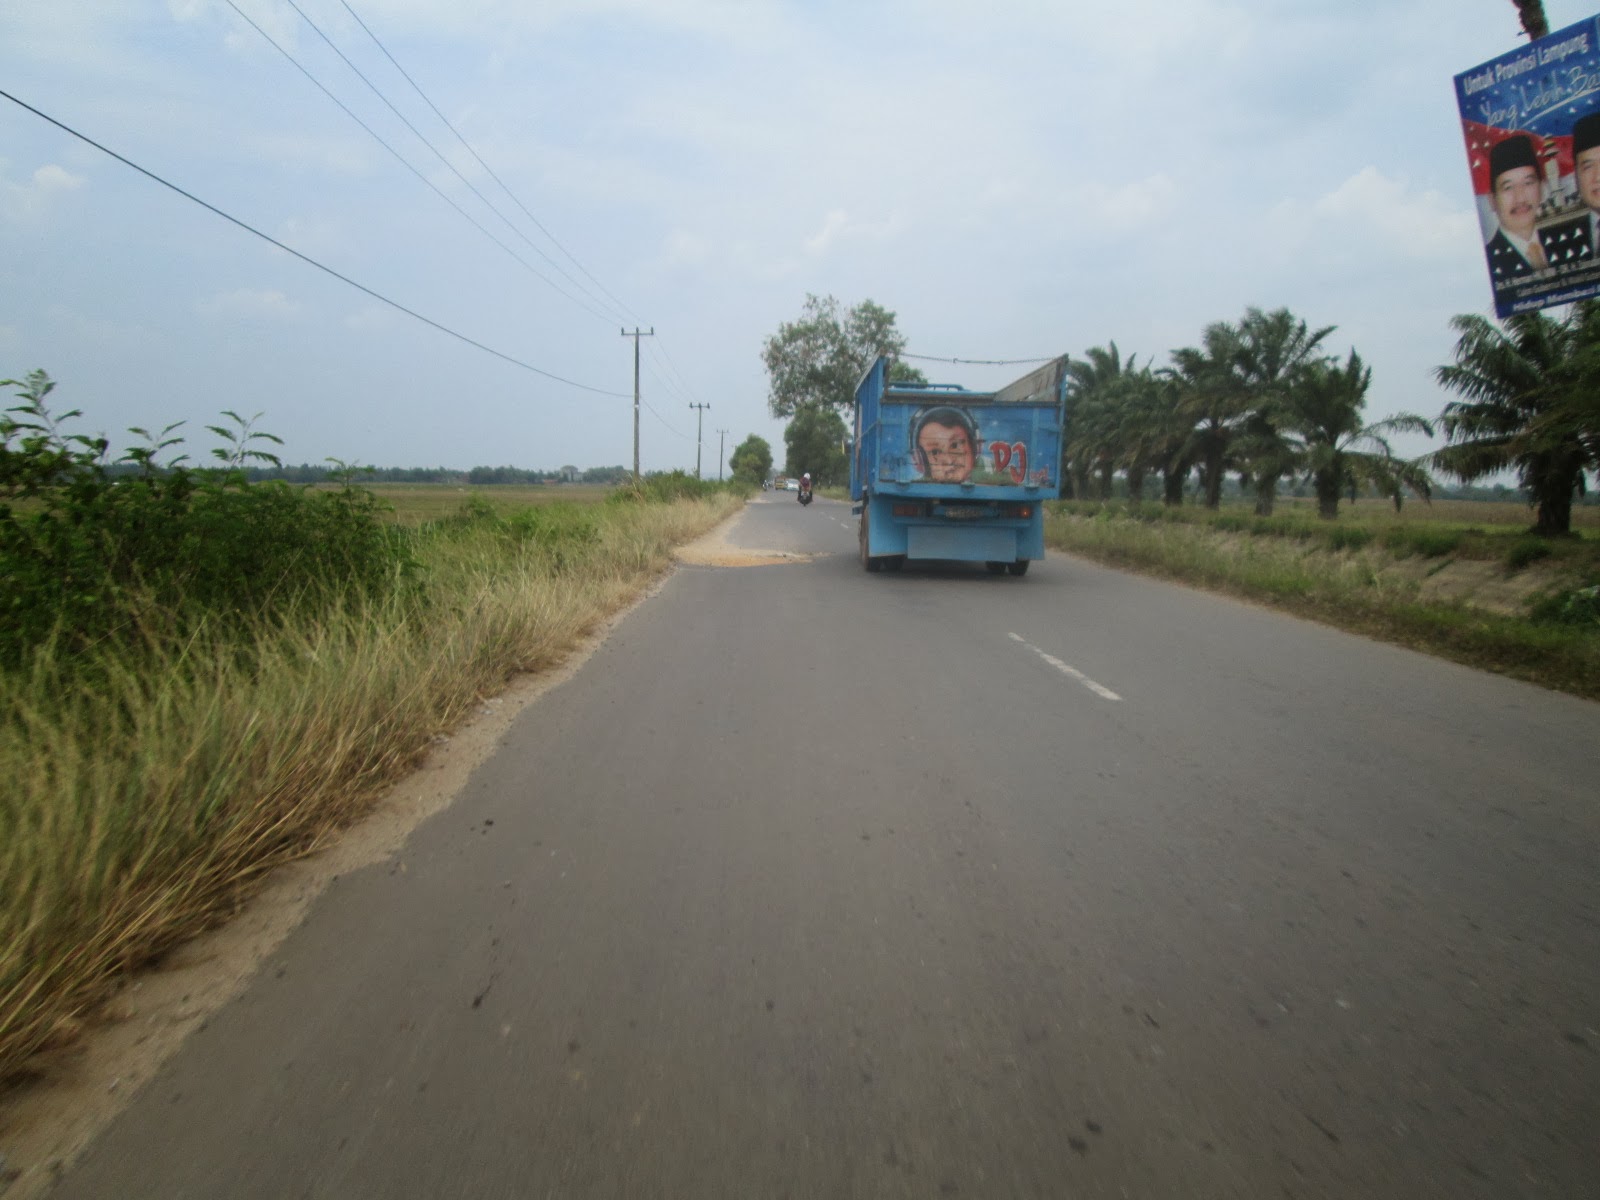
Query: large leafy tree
[[1341, 453], [817, 360], [751, 460], [815, 443], [1525, 390]]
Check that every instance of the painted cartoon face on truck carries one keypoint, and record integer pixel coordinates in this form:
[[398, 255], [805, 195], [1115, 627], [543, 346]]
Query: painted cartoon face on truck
[[944, 444]]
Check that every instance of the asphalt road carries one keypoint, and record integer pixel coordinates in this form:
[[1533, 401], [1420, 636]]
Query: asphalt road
[[815, 883]]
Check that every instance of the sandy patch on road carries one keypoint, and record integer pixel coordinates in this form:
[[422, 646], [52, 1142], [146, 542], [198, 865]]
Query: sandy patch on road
[[715, 550], [46, 1124]]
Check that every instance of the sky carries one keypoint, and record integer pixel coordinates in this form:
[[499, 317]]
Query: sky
[[1016, 179]]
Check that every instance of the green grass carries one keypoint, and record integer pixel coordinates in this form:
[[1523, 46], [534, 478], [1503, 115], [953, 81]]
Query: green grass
[[143, 808], [1325, 576], [419, 503]]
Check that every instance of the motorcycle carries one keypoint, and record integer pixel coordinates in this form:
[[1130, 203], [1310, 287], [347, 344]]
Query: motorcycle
[[805, 495]]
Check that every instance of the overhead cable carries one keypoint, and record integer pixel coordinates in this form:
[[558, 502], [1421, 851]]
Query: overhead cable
[[503, 186], [673, 428], [376, 91], [983, 362], [306, 258], [673, 366], [669, 379], [408, 166]]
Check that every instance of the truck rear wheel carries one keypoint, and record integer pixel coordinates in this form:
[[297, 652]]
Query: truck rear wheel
[[997, 568], [867, 561], [1020, 567]]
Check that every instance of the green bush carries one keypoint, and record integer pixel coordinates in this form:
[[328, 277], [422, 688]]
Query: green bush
[[1422, 541], [667, 486], [1526, 550], [89, 554], [1346, 537], [1579, 607]]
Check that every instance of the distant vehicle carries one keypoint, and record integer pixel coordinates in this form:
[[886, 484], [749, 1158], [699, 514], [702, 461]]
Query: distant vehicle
[[779, 483], [939, 472], [792, 485]]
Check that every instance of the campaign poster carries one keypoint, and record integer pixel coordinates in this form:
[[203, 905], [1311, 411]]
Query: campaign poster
[[1531, 119]]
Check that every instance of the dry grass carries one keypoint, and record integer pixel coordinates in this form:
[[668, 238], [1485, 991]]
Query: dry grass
[[420, 503], [142, 811], [1366, 589]]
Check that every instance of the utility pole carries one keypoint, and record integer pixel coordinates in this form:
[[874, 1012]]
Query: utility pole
[[636, 335], [721, 434], [699, 419]]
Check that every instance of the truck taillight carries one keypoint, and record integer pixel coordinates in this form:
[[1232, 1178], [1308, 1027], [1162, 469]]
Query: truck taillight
[[1024, 510], [908, 510]]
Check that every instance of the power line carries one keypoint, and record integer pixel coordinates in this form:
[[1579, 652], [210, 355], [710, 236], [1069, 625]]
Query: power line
[[403, 162], [661, 375], [670, 426], [376, 91], [983, 362], [503, 187], [303, 257], [672, 366]]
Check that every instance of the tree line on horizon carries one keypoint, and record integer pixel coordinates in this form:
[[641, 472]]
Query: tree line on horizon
[[1258, 406], [1261, 399]]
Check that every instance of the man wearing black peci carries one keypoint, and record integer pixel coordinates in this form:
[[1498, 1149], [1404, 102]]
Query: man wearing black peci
[[1515, 189], [1578, 240]]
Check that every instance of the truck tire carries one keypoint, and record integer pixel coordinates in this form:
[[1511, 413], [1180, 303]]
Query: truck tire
[[1020, 567], [997, 568], [867, 561]]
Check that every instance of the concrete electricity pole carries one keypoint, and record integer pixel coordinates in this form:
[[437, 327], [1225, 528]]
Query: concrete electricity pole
[[721, 435], [636, 335], [699, 418]]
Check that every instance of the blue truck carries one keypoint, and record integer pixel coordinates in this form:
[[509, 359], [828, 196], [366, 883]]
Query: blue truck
[[939, 472]]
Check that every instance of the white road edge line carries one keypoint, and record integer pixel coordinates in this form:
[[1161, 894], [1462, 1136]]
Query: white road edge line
[[1104, 693]]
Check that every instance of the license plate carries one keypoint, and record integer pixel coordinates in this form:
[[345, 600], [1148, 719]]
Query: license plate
[[964, 512]]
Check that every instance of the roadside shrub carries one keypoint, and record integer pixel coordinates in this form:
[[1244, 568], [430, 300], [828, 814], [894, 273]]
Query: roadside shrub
[[667, 486], [1580, 607], [1346, 537], [1421, 541], [1526, 550], [90, 555]]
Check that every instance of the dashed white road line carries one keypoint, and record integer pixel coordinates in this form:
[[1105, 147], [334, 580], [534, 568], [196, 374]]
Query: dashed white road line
[[1100, 690]]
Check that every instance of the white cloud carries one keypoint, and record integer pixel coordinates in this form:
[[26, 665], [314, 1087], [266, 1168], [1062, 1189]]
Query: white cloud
[[1128, 206], [1421, 225], [684, 249], [838, 225], [43, 187], [371, 319], [246, 303]]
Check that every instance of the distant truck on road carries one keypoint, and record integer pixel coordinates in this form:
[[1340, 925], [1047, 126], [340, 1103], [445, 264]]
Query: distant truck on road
[[938, 472]]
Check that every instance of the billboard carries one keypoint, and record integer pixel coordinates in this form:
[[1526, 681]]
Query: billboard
[[1531, 120]]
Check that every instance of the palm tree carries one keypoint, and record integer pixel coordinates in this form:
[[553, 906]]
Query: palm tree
[[1526, 389], [1340, 452], [1173, 445], [1090, 447], [1211, 396], [1274, 350], [1149, 435]]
